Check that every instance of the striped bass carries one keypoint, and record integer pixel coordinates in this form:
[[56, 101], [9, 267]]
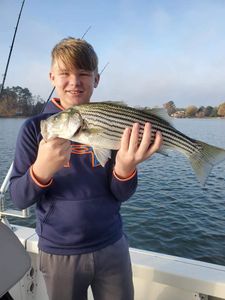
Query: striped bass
[[101, 125]]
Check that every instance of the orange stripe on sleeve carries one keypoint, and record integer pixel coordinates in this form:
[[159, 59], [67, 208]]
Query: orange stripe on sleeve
[[125, 179], [38, 182]]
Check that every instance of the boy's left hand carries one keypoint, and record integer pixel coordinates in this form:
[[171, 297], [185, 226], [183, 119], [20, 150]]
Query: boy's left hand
[[132, 153]]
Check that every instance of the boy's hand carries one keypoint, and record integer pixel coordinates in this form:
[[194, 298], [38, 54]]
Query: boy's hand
[[52, 156], [132, 153]]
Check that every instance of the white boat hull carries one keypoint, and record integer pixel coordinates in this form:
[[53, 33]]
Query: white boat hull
[[156, 276]]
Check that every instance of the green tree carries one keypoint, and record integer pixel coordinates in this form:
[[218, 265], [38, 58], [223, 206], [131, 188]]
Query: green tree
[[214, 112], [24, 100], [200, 112], [208, 111], [170, 107], [8, 103], [16, 101], [38, 105]]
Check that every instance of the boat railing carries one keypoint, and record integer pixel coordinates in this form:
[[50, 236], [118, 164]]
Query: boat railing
[[8, 211]]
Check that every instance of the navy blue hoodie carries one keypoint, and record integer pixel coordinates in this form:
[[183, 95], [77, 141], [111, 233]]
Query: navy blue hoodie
[[78, 211]]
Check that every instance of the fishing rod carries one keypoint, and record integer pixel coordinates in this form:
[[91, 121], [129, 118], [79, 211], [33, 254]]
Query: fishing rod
[[106, 65], [11, 48], [86, 32], [4, 187]]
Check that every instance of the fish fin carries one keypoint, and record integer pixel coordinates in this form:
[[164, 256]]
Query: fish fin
[[163, 152], [115, 102], [102, 155], [204, 159], [161, 113], [166, 149], [92, 131]]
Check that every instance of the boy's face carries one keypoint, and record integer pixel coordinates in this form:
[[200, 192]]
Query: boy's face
[[74, 86]]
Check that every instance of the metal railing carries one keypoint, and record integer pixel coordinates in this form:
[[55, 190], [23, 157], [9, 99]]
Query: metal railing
[[8, 211]]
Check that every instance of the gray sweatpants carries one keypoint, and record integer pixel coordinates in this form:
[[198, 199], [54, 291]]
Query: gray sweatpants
[[107, 271]]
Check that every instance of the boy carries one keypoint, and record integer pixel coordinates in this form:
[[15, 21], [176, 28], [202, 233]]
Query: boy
[[79, 226]]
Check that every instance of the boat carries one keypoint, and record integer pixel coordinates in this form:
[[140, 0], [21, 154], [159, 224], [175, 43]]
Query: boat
[[156, 276]]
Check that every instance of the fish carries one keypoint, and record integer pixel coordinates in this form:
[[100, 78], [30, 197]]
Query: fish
[[101, 125]]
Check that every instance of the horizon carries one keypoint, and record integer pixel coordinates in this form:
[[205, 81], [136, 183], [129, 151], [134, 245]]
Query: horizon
[[157, 51]]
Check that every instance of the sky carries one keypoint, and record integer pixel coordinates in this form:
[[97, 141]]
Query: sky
[[156, 50]]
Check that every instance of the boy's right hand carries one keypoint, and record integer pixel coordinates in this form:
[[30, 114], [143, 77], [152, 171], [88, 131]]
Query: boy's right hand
[[52, 156]]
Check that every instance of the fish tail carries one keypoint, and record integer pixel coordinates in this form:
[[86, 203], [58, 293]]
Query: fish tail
[[204, 159]]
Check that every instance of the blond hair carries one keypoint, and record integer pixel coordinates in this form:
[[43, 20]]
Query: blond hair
[[75, 53]]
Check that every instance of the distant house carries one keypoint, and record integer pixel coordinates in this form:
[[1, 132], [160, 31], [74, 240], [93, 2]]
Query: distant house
[[179, 114]]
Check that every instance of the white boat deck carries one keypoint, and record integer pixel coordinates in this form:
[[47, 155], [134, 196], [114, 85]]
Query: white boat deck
[[156, 276]]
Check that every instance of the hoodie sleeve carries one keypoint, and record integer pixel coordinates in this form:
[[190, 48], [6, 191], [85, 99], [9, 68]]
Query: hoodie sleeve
[[24, 189], [123, 189]]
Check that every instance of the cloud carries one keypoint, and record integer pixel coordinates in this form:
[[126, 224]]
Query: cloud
[[152, 81]]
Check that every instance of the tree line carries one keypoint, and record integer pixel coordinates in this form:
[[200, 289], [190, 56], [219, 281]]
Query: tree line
[[193, 111], [18, 101]]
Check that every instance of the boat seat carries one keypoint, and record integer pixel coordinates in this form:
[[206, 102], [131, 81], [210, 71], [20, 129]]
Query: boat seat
[[14, 260]]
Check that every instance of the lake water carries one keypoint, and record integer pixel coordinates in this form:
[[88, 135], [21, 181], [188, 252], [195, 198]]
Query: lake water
[[170, 212]]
